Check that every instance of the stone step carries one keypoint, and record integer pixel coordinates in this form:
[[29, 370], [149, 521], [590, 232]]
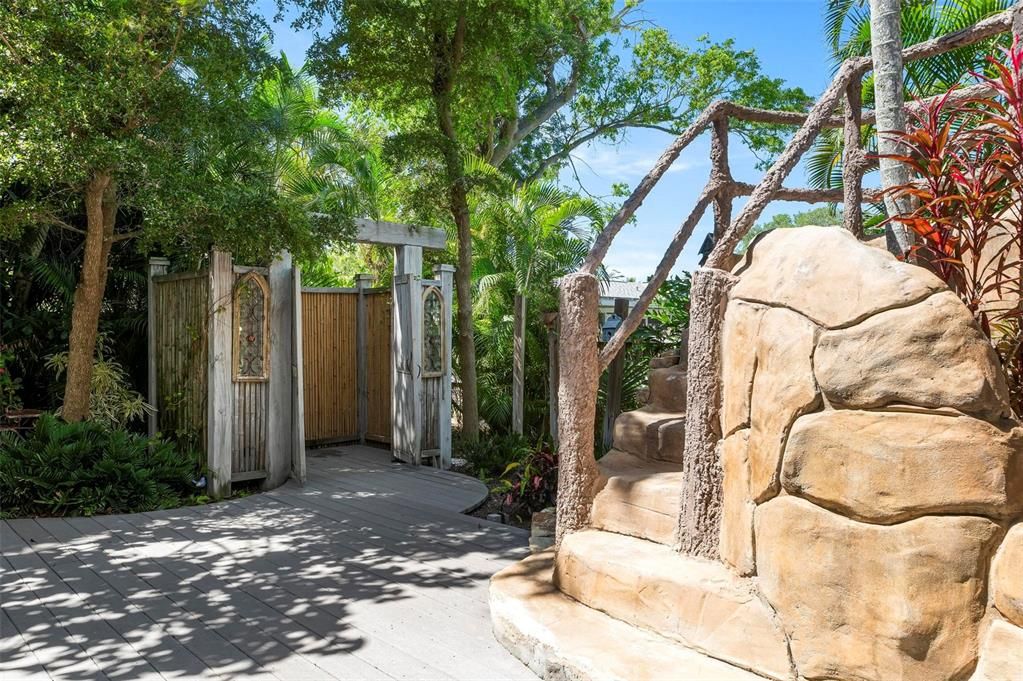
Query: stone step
[[559, 638], [667, 389], [650, 433], [697, 602], [641, 498]]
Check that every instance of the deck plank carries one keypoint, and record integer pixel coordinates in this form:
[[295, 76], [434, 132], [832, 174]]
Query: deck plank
[[369, 571]]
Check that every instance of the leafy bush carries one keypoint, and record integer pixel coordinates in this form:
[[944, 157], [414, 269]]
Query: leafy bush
[[68, 469], [488, 457], [531, 484], [967, 159], [9, 386], [670, 311], [112, 401]]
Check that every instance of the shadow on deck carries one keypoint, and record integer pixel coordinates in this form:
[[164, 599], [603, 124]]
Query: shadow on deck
[[367, 572]]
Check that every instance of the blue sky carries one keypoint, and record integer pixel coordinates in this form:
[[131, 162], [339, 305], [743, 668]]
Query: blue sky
[[787, 36]]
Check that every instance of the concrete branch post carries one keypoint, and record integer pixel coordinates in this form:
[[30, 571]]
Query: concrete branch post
[[853, 159], [362, 282], [219, 389], [577, 399], [157, 266], [700, 517], [721, 176]]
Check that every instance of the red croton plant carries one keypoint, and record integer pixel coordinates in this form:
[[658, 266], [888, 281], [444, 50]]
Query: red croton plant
[[967, 156]]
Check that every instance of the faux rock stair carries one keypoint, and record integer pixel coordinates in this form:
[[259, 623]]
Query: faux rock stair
[[643, 472], [619, 602]]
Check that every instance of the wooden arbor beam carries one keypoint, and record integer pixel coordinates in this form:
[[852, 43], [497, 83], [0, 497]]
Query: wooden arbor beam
[[397, 234]]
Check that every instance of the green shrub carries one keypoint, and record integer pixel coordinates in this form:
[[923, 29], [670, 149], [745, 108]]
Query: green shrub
[[111, 399], [488, 457], [530, 484], [69, 469]]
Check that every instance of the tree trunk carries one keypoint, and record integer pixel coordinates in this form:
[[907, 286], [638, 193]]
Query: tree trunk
[[700, 519], [519, 363], [889, 100], [459, 206], [100, 211]]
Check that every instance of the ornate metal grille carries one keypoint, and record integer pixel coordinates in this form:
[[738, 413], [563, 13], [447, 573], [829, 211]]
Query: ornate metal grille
[[250, 314], [433, 333]]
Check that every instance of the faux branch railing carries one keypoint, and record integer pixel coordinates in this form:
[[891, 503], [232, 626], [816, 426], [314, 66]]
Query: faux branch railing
[[579, 383]]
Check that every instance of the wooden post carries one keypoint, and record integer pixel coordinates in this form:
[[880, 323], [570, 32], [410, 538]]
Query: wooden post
[[157, 266], [298, 468], [362, 282], [853, 159], [615, 376], [550, 320], [280, 428], [446, 275], [407, 368], [577, 398], [220, 393], [406, 353], [408, 260], [518, 362]]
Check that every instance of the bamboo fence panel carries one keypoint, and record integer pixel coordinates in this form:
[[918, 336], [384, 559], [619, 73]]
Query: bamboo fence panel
[[330, 386], [378, 361], [181, 315]]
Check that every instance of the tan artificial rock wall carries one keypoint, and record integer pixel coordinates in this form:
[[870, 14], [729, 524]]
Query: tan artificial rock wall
[[873, 473]]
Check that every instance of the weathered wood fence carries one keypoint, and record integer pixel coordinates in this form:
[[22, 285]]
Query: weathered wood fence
[[247, 364], [178, 306], [221, 366]]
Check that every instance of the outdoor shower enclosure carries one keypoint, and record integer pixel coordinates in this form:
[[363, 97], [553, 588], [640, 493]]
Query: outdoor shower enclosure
[[249, 366]]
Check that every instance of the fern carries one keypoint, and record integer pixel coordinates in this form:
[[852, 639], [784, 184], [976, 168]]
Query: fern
[[87, 468]]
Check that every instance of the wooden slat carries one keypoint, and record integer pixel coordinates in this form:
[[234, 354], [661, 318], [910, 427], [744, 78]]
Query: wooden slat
[[378, 350]]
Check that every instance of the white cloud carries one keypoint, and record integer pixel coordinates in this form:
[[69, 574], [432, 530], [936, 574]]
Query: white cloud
[[621, 163]]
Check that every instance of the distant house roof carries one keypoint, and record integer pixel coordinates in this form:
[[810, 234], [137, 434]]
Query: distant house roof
[[622, 289]]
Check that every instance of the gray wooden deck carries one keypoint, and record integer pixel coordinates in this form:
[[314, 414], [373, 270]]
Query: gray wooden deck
[[367, 572]]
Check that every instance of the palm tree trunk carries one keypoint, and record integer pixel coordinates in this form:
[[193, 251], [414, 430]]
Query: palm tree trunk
[[519, 363], [889, 99], [100, 211]]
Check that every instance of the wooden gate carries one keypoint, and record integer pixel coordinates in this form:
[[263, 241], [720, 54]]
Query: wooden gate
[[346, 339], [329, 349]]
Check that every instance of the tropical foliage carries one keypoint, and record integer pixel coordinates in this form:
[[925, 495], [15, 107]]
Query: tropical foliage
[[112, 400], [521, 84], [70, 469], [847, 28], [967, 159]]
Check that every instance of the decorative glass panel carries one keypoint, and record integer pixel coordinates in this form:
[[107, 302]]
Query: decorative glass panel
[[433, 333], [250, 309]]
